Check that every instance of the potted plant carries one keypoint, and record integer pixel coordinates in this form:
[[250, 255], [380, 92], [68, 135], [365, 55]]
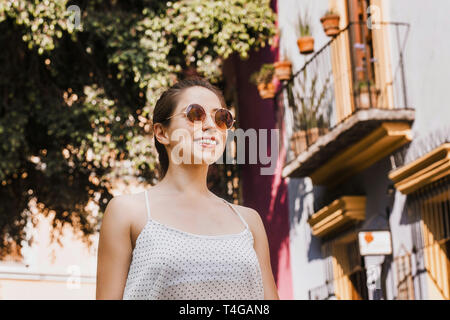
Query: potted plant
[[330, 22], [308, 134], [263, 79], [298, 142], [312, 109], [305, 42], [312, 129], [365, 97], [283, 69], [323, 125]]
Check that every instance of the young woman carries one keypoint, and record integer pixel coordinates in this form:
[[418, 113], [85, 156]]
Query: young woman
[[177, 240]]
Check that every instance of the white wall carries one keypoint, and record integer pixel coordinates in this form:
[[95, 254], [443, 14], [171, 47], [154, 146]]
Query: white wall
[[307, 265], [427, 68], [306, 260], [288, 13]]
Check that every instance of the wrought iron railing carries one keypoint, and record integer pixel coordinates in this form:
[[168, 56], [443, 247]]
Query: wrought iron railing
[[359, 68], [429, 211], [323, 292], [405, 277], [353, 286], [429, 215]]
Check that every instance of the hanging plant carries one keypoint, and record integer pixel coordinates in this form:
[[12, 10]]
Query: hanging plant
[[330, 22], [312, 106], [283, 68], [263, 79], [305, 42]]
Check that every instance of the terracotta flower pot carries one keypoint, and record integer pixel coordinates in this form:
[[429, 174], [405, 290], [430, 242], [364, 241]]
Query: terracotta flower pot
[[313, 135], [305, 44], [283, 70], [323, 131], [298, 142], [266, 90], [330, 24]]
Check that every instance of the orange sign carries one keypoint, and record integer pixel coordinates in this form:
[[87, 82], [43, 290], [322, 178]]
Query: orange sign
[[375, 242], [368, 237]]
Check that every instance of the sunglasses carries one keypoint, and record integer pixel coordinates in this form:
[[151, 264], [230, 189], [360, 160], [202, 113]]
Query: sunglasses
[[195, 112]]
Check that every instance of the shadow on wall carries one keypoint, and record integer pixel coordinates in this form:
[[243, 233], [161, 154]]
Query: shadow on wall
[[373, 183], [301, 207], [406, 217]]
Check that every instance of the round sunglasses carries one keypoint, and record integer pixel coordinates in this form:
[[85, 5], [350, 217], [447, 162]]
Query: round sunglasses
[[195, 112]]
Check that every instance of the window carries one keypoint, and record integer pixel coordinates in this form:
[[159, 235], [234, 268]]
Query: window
[[405, 286], [350, 282], [431, 205]]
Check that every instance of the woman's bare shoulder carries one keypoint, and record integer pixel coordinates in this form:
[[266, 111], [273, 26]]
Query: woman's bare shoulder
[[121, 208], [251, 216], [246, 210]]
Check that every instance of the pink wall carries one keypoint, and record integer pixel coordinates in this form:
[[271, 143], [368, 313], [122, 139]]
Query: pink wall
[[267, 194]]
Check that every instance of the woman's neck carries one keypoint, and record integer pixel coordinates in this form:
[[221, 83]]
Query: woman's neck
[[187, 180]]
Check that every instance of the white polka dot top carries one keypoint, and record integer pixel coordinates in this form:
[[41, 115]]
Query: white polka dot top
[[168, 263]]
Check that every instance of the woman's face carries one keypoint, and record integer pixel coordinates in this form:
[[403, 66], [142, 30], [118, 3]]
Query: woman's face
[[185, 137]]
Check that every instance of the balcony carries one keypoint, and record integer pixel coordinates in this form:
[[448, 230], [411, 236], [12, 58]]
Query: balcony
[[323, 292], [347, 107], [423, 171], [341, 213]]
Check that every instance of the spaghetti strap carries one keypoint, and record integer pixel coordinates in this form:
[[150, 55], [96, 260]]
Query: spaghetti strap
[[147, 205], [237, 212]]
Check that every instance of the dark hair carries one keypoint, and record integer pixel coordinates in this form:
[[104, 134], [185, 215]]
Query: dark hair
[[166, 105]]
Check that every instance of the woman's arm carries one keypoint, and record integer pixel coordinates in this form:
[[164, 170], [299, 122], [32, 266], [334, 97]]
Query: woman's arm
[[261, 246], [114, 251]]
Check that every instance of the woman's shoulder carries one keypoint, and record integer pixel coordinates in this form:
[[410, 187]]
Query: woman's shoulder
[[120, 208], [125, 200], [251, 216], [254, 221], [246, 210]]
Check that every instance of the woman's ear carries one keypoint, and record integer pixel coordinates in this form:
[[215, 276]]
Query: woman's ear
[[161, 134]]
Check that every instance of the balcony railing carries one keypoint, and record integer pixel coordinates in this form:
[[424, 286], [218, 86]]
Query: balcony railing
[[358, 69], [323, 292], [353, 286]]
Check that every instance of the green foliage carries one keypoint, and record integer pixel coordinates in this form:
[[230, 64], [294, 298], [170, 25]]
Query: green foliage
[[312, 100], [330, 12], [76, 102], [364, 84], [263, 75]]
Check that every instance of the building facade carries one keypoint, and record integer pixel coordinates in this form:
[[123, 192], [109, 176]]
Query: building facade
[[367, 132]]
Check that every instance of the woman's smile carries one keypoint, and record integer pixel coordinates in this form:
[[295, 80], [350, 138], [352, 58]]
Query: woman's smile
[[207, 142]]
